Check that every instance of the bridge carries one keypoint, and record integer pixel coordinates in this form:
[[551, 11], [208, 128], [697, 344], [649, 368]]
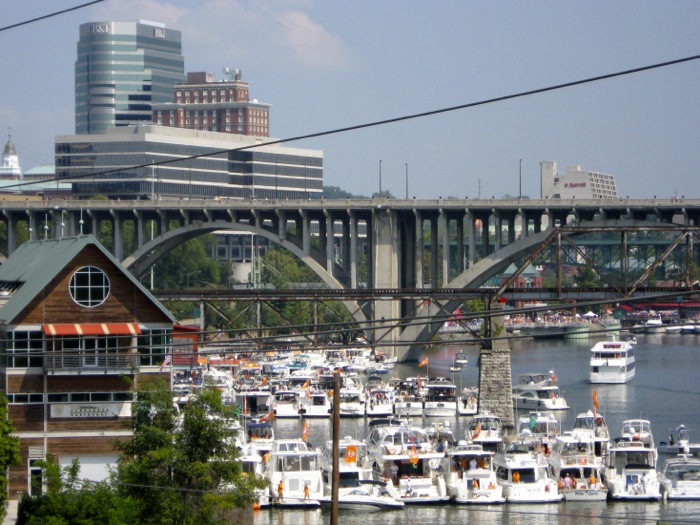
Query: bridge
[[410, 244]]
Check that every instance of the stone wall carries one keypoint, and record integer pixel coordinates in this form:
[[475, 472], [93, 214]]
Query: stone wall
[[495, 385]]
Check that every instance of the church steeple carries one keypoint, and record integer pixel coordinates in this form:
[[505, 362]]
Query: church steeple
[[9, 169]]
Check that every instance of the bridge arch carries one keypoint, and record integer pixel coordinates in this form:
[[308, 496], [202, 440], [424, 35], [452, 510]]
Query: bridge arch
[[139, 261]]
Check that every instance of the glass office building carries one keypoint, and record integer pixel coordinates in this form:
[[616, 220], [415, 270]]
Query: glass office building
[[153, 162], [122, 69]]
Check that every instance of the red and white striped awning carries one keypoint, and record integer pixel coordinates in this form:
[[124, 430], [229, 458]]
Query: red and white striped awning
[[69, 329]]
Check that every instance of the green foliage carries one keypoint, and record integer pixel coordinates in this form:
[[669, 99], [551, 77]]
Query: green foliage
[[334, 192], [9, 452], [183, 471], [586, 277], [189, 262]]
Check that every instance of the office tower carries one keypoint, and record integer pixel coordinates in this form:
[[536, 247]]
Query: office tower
[[122, 69]]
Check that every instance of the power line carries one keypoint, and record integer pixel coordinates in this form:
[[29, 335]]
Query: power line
[[384, 121], [50, 15]]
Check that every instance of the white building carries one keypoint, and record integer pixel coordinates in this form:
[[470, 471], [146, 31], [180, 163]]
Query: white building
[[9, 168], [575, 183]]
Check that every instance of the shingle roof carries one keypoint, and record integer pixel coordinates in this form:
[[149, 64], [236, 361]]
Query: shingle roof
[[34, 264]]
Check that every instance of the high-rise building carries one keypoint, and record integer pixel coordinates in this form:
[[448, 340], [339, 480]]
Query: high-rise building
[[122, 69], [575, 183], [207, 104]]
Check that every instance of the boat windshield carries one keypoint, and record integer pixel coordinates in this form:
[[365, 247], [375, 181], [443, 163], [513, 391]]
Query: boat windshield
[[683, 471]]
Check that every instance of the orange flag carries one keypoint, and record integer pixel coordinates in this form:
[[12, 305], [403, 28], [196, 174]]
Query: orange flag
[[305, 432], [424, 362], [595, 399], [351, 454]]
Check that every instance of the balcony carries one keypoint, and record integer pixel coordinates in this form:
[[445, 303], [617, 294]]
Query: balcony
[[91, 363]]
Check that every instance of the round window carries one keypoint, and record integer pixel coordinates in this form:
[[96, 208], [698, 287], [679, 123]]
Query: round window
[[89, 286]]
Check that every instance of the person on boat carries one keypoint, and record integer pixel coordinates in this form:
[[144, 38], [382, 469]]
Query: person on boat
[[592, 481], [306, 491], [516, 477], [409, 489], [280, 491], [394, 472], [567, 482]]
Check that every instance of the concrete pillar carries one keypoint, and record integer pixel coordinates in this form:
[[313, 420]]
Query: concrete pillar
[[117, 237], [418, 253], [305, 232], [353, 255], [472, 237], [460, 245], [445, 227], [345, 244], [498, 221], [434, 240], [11, 234], [523, 223], [330, 242]]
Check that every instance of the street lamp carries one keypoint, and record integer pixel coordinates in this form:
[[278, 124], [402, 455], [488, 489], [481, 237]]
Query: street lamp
[[188, 276]]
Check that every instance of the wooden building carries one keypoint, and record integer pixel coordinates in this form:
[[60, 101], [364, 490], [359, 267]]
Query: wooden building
[[79, 334]]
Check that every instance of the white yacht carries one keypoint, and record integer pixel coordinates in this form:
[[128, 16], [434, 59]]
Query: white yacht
[[379, 402], [542, 425], [593, 424], [470, 476], [574, 464], [680, 478], [405, 455], [252, 465], [654, 325], [612, 362], [408, 405], [317, 404], [679, 442], [358, 490], [286, 403], [260, 433], [630, 471], [352, 401], [468, 401], [295, 466], [523, 472], [538, 391], [486, 430], [440, 399]]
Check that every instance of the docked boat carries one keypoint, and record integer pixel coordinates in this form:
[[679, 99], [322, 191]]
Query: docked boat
[[316, 404], [679, 442], [358, 490], [593, 424], [538, 391], [574, 464], [286, 403], [654, 325], [291, 467], [379, 402], [629, 470], [542, 425], [260, 433], [440, 399], [405, 455], [461, 358], [612, 362], [408, 405], [680, 478], [470, 476], [486, 430], [252, 465], [523, 472], [352, 401]]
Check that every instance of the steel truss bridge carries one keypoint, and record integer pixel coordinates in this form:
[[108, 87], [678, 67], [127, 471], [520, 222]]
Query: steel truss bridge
[[416, 250]]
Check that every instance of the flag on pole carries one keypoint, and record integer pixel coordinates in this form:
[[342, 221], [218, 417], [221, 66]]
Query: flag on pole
[[165, 362], [595, 399], [424, 362], [351, 454], [305, 432]]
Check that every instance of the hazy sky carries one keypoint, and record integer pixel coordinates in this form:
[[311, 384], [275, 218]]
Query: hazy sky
[[327, 64]]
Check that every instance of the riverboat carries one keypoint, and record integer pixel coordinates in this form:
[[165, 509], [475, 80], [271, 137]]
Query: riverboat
[[538, 391], [629, 471], [612, 362], [440, 399]]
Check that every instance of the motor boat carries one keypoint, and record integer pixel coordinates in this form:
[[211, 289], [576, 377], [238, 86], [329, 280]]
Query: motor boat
[[523, 472], [379, 402], [679, 442], [358, 490], [612, 362], [292, 466], [316, 404], [486, 430], [440, 399], [593, 424], [542, 425], [286, 403], [629, 470], [406, 456], [538, 391], [574, 464], [470, 476], [408, 405], [468, 404], [680, 478]]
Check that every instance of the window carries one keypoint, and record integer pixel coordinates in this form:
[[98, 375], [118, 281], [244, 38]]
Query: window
[[36, 479], [89, 286]]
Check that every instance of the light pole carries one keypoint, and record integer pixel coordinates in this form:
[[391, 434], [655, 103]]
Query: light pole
[[406, 180], [520, 180], [188, 276], [380, 178]]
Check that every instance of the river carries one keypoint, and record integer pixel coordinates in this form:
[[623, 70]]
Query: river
[[666, 391]]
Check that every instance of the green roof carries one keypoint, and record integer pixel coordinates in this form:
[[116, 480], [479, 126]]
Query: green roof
[[34, 264]]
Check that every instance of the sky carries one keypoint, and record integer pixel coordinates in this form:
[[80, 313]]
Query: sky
[[326, 65]]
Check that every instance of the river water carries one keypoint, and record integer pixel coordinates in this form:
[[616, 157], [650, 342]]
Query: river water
[[666, 391]]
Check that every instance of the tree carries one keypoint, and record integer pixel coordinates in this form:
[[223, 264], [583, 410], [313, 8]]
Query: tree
[[9, 452], [183, 472]]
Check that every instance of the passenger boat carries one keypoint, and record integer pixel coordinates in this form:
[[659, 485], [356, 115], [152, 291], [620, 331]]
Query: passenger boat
[[538, 391], [358, 490], [295, 466], [405, 455], [576, 467], [440, 399], [630, 466], [470, 476], [316, 404], [486, 430], [612, 362], [523, 472], [680, 478], [679, 442]]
